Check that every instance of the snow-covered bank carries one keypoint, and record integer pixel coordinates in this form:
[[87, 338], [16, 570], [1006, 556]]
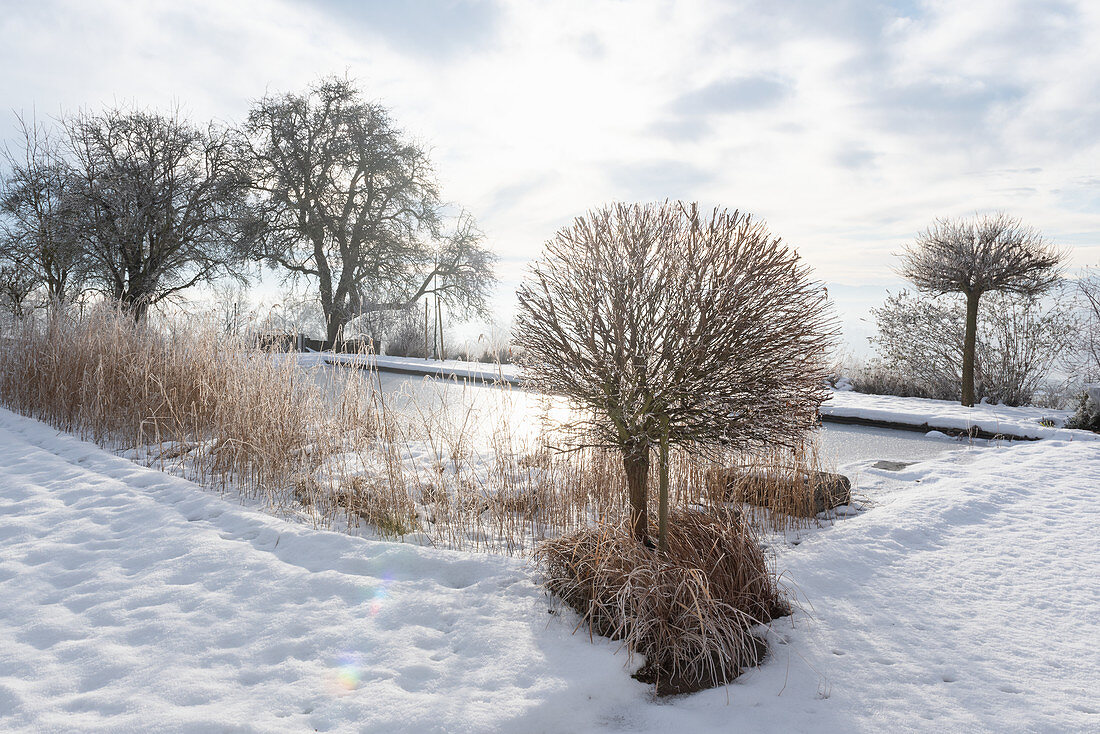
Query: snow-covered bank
[[130, 600], [481, 371], [1021, 422]]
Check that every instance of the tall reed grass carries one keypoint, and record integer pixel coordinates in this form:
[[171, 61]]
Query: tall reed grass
[[183, 396], [329, 444]]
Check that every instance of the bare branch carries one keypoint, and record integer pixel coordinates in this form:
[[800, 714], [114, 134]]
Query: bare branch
[[987, 253]]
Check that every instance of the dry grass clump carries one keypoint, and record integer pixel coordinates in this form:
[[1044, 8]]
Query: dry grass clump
[[373, 501], [690, 611], [780, 489], [790, 495]]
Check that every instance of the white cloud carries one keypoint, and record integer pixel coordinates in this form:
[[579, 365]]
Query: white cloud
[[848, 127]]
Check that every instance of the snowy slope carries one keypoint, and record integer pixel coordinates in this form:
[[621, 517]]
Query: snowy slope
[[965, 599], [132, 599]]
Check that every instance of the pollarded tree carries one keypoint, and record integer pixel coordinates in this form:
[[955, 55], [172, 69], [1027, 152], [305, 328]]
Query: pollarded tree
[[352, 204], [974, 256], [671, 328], [160, 202]]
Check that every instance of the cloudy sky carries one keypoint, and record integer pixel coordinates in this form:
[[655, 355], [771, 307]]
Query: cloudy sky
[[848, 126]]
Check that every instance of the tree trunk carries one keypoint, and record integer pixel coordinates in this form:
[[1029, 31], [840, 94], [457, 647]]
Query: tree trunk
[[55, 289], [134, 305], [969, 347], [138, 309], [336, 318], [55, 304], [636, 464], [662, 494], [333, 329]]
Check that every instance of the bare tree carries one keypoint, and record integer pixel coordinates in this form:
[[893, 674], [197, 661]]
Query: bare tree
[[670, 328], [17, 280], [1087, 414], [39, 210], [1088, 289], [160, 202], [1019, 341], [231, 306], [975, 256], [352, 203]]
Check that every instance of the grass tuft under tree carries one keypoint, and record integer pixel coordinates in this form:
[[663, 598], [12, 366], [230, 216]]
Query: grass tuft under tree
[[690, 610]]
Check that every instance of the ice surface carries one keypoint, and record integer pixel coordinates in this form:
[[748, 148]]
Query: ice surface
[[1020, 422]]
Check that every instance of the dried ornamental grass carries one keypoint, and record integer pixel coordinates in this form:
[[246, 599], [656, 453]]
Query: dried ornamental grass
[[690, 611]]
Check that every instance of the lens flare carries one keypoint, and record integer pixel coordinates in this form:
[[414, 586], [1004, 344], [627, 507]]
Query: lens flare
[[374, 595], [349, 671]]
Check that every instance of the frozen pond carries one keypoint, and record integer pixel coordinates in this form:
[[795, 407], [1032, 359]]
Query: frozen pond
[[842, 444], [478, 410]]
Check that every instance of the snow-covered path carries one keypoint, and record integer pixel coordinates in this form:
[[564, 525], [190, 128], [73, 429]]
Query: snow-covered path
[[131, 600], [134, 601]]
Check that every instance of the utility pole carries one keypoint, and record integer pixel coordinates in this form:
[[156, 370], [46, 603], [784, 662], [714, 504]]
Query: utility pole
[[439, 321], [425, 327]]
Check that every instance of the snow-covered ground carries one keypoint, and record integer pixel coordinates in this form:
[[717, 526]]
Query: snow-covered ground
[[964, 599]]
